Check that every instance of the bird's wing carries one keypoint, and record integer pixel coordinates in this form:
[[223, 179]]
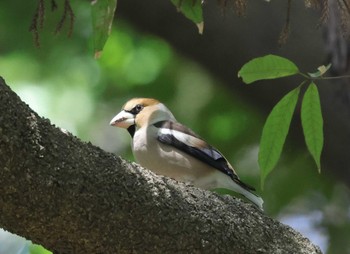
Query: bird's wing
[[179, 136]]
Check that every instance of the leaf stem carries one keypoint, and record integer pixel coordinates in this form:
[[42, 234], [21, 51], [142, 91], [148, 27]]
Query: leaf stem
[[304, 75], [304, 82], [328, 78], [322, 77]]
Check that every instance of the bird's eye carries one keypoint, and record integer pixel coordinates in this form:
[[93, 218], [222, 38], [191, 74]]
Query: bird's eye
[[137, 109]]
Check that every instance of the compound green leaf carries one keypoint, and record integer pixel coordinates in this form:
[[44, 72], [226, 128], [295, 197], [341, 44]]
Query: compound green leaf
[[192, 9], [312, 122], [275, 132], [267, 67], [102, 18]]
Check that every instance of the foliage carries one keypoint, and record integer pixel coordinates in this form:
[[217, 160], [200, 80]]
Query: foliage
[[103, 14], [312, 122], [191, 9], [277, 124], [39, 17], [267, 67], [102, 18], [38, 249], [275, 132]]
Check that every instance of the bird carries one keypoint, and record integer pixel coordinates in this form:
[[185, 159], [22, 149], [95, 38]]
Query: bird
[[163, 145]]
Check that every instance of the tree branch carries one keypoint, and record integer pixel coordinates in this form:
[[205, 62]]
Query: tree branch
[[73, 197]]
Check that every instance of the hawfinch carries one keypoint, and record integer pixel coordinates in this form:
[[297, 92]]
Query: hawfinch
[[168, 148]]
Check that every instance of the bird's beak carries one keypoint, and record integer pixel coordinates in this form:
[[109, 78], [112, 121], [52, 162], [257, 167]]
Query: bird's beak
[[123, 120]]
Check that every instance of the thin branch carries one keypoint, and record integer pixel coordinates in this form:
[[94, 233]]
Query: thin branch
[[346, 4], [324, 12], [38, 22], [239, 6], [67, 11], [286, 29], [53, 5], [344, 9], [39, 18]]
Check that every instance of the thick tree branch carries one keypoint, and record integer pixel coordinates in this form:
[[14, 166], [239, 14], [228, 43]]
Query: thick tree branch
[[73, 197]]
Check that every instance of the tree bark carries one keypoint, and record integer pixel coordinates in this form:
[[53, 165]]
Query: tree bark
[[73, 197]]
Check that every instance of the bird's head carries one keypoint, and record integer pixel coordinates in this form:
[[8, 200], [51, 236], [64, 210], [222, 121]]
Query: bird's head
[[141, 112]]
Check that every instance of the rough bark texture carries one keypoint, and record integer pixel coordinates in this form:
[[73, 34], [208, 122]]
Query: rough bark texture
[[73, 197]]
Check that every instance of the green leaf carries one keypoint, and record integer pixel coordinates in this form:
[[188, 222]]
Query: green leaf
[[321, 70], [275, 132], [267, 67], [312, 122], [38, 249], [102, 12], [192, 9]]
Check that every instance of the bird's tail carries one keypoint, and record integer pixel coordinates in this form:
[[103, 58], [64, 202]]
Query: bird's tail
[[247, 191], [238, 186], [255, 199], [258, 201]]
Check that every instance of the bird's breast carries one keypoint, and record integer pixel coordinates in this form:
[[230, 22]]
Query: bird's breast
[[165, 159]]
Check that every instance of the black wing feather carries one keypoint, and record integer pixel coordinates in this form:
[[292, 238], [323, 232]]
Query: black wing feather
[[207, 154]]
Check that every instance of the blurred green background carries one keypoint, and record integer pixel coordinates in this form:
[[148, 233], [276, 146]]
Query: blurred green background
[[62, 81]]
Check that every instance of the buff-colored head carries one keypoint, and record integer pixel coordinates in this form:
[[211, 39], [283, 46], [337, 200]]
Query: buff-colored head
[[140, 112]]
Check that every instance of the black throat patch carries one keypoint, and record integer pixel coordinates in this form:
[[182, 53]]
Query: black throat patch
[[131, 129]]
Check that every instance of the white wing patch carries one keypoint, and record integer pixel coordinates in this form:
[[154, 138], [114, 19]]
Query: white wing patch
[[182, 137]]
